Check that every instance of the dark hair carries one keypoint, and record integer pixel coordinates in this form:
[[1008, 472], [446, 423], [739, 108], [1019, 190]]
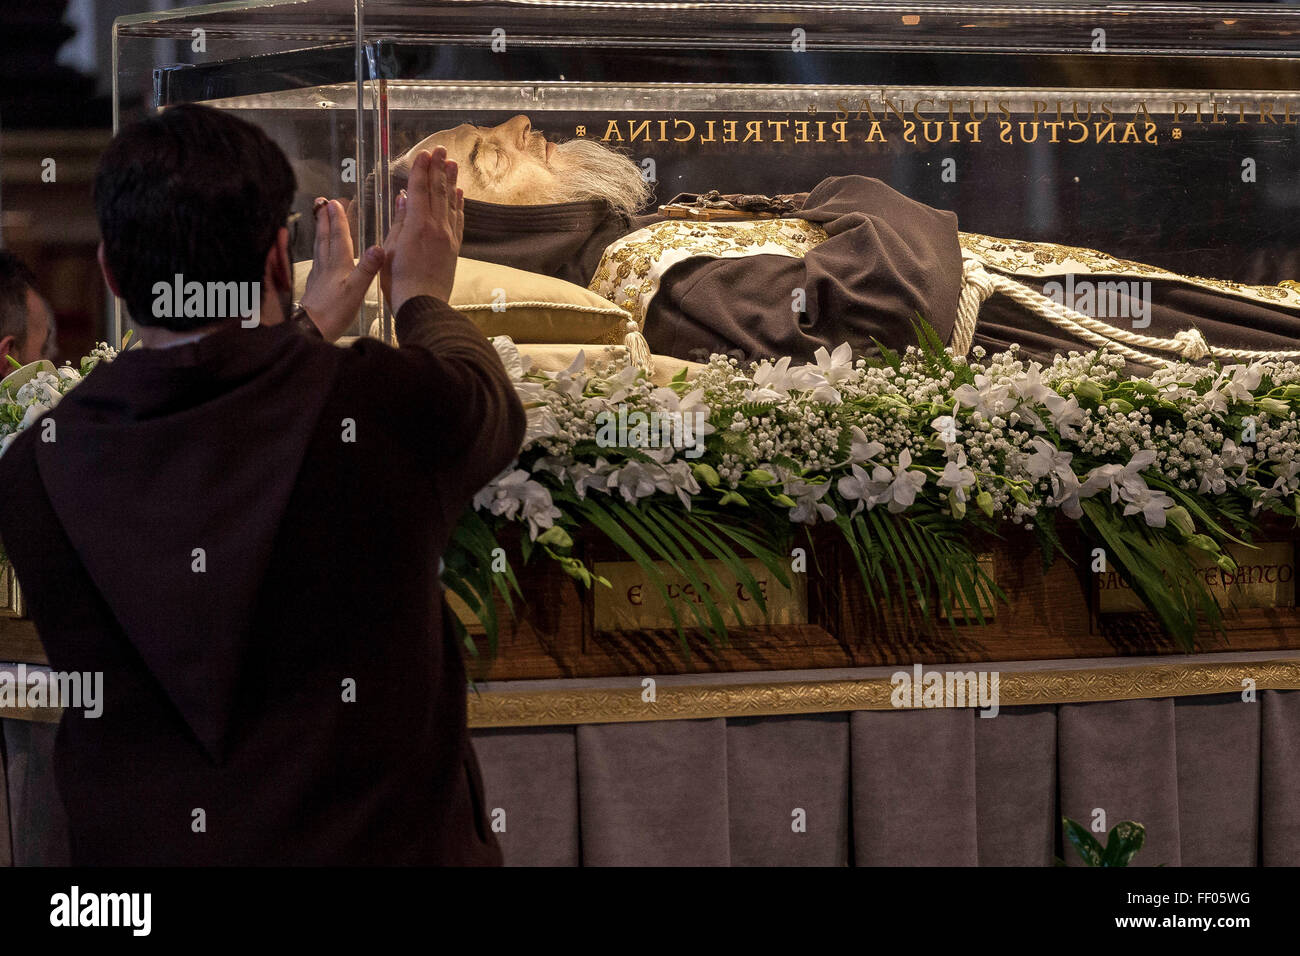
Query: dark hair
[[15, 280], [192, 191]]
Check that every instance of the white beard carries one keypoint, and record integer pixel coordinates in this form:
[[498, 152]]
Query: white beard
[[587, 170]]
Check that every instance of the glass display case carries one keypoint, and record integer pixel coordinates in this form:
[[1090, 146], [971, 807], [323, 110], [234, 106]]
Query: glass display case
[[1165, 134]]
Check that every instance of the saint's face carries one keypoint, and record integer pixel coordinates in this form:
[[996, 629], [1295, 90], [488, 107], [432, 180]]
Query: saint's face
[[512, 164]]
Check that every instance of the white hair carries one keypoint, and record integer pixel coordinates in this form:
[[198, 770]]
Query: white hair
[[590, 170]]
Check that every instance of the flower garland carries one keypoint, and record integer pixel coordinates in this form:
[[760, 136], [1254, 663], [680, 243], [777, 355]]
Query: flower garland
[[906, 455], [1148, 466]]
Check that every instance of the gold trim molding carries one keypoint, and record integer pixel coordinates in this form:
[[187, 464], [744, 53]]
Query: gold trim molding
[[702, 701], [1016, 689]]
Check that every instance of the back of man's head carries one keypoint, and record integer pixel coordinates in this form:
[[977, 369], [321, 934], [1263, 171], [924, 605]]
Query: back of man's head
[[16, 280], [194, 192]]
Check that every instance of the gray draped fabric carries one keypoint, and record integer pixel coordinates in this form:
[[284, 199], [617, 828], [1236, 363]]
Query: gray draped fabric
[[810, 789], [535, 815], [913, 785], [1279, 786], [671, 777], [1215, 780], [36, 819], [1016, 811], [1218, 743], [1119, 762]]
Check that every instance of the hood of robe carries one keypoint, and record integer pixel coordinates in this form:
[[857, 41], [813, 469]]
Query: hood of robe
[[170, 472], [564, 240]]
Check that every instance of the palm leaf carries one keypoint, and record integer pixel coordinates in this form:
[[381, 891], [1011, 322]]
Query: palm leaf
[[705, 611]]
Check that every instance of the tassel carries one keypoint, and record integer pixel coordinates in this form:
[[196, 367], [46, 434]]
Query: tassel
[[638, 348]]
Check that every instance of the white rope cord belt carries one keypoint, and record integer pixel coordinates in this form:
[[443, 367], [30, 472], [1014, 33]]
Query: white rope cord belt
[[1190, 345]]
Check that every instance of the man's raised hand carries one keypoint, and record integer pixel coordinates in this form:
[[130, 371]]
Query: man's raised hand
[[424, 240], [337, 284]]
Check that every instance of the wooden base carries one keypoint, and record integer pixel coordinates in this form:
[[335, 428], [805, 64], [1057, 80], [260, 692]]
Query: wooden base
[[18, 640], [1052, 615]]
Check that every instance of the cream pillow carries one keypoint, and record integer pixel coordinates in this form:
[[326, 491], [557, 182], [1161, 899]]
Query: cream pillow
[[526, 306]]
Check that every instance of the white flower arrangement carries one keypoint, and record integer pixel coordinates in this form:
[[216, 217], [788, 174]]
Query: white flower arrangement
[[891, 451], [1193, 453], [31, 390], [1018, 439]]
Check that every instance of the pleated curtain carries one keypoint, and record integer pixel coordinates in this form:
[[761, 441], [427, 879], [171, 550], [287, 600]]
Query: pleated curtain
[[1215, 780]]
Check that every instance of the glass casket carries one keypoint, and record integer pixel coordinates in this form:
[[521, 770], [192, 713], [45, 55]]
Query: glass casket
[[1166, 139], [1148, 144]]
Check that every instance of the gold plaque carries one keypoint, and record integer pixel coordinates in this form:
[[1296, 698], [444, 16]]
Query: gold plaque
[[1265, 577], [633, 603]]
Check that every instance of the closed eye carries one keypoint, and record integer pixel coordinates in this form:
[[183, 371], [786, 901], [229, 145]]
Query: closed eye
[[488, 160]]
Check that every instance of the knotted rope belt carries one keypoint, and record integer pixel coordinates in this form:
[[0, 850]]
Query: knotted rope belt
[[978, 283]]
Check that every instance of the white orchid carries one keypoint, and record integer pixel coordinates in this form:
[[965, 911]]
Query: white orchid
[[808, 503], [583, 476], [1242, 380], [587, 478], [1151, 503], [779, 379], [1288, 479], [1065, 414], [1030, 386], [1047, 459], [1119, 479], [1214, 480], [901, 492], [986, 396], [677, 478], [541, 423], [635, 480], [572, 381], [1214, 401], [835, 366], [510, 358], [946, 426], [863, 487], [956, 476], [515, 494], [861, 448]]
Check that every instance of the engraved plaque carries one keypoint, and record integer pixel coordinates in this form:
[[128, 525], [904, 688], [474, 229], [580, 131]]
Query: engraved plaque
[[633, 603], [1265, 577]]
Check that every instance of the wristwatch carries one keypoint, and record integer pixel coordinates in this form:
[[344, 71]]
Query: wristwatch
[[299, 318]]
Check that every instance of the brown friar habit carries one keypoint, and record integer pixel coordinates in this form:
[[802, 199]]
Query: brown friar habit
[[887, 259], [243, 534]]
